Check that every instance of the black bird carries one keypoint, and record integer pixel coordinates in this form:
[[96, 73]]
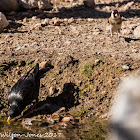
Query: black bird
[[25, 91]]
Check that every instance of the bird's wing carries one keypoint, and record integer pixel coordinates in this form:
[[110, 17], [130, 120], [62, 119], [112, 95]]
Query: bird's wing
[[34, 76], [119, 21], [36, 69], [27, 74], [29, 78]]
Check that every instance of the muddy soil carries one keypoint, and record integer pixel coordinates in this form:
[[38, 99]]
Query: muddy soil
[[75, 40]]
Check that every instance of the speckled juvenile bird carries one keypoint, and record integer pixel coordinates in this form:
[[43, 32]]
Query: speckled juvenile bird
[[115, 22], [25, 91]]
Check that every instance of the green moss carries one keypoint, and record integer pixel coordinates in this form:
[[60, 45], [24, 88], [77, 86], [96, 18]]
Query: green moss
[[54, 71], [87, 69], [28, 64], [80, 90], [79, 113], [88, 84], [120, 72], [1, 68], [4, 80], [98, 129]]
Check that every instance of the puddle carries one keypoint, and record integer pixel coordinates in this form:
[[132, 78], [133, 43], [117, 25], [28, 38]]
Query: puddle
[[89, 130]]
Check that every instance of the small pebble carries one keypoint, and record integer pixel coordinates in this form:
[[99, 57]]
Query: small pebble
[[125, 67]]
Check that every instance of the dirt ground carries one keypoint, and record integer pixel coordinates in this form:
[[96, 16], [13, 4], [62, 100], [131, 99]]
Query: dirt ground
[[75, 40]]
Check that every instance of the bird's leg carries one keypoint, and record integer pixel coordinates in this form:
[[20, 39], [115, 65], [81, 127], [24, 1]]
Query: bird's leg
[[111, 35], [118, 34], [111, 32]]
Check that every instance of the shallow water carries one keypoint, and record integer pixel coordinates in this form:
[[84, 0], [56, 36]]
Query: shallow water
[[90, 130]]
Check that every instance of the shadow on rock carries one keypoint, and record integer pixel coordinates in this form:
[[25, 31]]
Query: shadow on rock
[[82, 11], [13, 26], [114, 3], [130, 39]]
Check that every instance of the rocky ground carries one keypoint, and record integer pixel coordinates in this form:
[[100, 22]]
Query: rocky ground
[[87, 62]]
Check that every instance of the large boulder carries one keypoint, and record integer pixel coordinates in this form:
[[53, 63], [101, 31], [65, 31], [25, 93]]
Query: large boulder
[[8, 5], [41, 4], [3, 22]]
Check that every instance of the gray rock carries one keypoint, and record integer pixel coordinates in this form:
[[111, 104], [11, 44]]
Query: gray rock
[[41, 4], [89, 3], [128, 5], [46, 21], [137, 31], [9, 5], [126, 31], [67, 119], [44, 5], [3, 22], [97, 61]]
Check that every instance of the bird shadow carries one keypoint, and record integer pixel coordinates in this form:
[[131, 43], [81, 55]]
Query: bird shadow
[[127, 39], [68, 99]]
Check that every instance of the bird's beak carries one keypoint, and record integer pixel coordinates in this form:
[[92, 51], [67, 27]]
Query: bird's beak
[[8, 120]]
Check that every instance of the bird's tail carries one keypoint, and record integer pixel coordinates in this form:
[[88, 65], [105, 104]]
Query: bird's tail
[[36, 69]]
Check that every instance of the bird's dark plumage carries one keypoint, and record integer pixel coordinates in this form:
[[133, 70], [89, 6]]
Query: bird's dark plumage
[[25, 91]]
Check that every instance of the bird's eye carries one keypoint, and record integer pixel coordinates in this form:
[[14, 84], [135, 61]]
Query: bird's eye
[[115, 12]]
